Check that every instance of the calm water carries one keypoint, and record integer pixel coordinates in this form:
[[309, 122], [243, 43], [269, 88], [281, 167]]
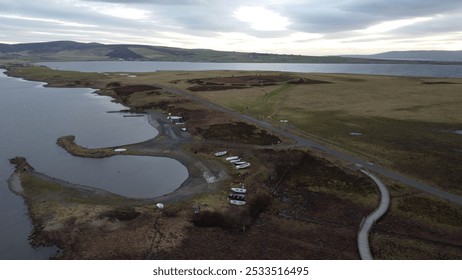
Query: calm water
[[416, 70], [33, 117]]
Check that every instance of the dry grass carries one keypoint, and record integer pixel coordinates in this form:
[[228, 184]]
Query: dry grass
[[406, 122], [365, 96]]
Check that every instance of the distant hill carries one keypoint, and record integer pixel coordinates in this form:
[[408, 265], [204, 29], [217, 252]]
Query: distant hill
[[444, 56], [75, 51]]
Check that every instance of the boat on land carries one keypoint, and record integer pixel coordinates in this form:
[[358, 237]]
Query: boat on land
[[232, 158], [243, 166], [120, 150], [235, 160], [239, 190], [239, 162], [237, 202], [220, 154], [237, 196]]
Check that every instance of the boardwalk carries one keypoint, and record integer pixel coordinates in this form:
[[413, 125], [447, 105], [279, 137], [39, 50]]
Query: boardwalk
[[363, 235]]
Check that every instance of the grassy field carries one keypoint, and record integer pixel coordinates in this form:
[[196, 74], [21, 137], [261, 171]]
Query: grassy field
[[405, 123]]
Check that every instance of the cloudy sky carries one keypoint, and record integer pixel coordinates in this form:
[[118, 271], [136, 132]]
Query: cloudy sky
[[310, 27]]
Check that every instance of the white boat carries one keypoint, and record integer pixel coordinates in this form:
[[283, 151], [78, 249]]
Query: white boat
[[243, 166], [222, 153], [232, 158], [120, 150], [239, 162], [237, 202], [235, 160], [239, 190]]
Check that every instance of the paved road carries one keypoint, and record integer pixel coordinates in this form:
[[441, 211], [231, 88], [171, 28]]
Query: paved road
[[309, 143], [363, 235]]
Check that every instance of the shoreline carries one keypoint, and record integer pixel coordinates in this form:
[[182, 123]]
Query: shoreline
[[203, 175]]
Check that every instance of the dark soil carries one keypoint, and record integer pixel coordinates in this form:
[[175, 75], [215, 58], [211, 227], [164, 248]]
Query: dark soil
[[130, 89], [304, 81], [121, 214], [297, 223], [240, 82], [239, 132], [213, 88], [409, 237]]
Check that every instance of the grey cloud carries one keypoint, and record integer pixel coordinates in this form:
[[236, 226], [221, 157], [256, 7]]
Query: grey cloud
[[154, 2], [402, 8], [344, 15], [325, 19], [47, 9], [438, 25]]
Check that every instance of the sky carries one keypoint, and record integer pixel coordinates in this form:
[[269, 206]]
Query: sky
[[306, 27]]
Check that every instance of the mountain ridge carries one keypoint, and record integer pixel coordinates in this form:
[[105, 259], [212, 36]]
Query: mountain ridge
[[77, 51], [414, 55]]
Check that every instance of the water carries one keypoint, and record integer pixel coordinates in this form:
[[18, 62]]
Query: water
[[33, 117], [416, 70]]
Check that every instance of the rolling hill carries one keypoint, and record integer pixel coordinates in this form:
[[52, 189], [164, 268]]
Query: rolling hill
[[443, 56], [75, 51]]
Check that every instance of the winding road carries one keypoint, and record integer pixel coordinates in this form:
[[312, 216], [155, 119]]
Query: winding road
[[310, 143], [366, 225]]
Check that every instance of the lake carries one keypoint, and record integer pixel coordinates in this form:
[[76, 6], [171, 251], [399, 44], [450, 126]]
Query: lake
[[415, 70], [32, 117]]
